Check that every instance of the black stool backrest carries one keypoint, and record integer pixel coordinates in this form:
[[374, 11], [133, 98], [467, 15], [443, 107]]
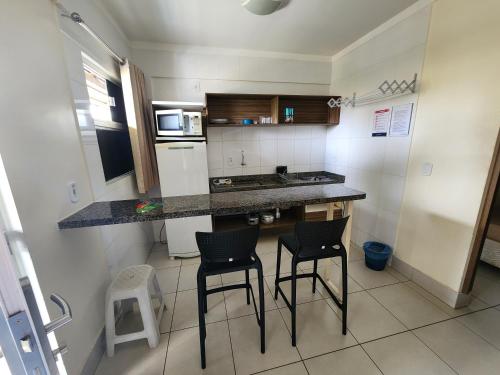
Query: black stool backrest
[[227, 245], [316, 234]]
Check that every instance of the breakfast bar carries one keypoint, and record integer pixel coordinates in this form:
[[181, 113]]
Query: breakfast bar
[[219, 204]]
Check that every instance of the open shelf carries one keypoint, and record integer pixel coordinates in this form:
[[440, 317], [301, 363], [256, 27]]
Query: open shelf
[[308, 109]]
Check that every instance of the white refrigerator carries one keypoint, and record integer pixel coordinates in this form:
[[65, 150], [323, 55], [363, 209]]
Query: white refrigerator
[[183, 170]]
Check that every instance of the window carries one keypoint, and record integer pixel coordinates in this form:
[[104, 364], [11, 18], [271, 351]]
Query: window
[[107, 109]]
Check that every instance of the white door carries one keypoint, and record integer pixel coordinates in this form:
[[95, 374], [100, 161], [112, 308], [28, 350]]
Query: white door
[[27, 341]]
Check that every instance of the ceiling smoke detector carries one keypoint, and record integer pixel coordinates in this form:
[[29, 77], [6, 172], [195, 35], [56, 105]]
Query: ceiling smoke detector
[[261, 7]]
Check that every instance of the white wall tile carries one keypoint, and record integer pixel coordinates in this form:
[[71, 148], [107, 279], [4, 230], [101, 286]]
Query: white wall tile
[[252, 153], [217, 172], [232, 134], [268, 153], [286, 132], [303, 132], [396, 155], [250, 134], [246, 170], [317, 167], [214, 134], [232, 154], [235, 171], [215, 155], [268, 170], [285, 152], [317, 151], [318, 132], [268, 133], [391, 192], [302, 151]]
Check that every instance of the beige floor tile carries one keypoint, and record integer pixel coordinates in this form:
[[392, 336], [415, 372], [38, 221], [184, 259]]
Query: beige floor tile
[[191, 261], [135, 358], [474, 305], [293, 369], [352, 285], [462, 349], [245, 338], [487, 290], [486, 324], [408, 306], [269, 263], [355, 253], [488, 271], [187, 278], [304, 291], [319, 329], [405, 354], [267, 244], [367, 319], [396, 274], [161, 259], [368, 278], [183, 355], [234, 277], [308, 266], [168, 279], [186, 309], [236, 300], [132, 321], [350, 361]]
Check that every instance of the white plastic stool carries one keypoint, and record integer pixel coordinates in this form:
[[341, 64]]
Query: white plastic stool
[[134, 282]]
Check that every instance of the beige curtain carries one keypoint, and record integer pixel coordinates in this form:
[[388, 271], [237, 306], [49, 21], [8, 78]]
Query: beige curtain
[[140, 126]]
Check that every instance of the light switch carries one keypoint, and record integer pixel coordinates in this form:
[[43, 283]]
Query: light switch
[[427, 169], [73, 192]]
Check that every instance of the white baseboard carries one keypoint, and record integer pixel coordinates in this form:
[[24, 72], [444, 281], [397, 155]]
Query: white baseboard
[[444, 293]]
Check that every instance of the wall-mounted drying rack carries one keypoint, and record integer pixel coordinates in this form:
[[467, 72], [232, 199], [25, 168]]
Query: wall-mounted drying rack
[[384, 91]]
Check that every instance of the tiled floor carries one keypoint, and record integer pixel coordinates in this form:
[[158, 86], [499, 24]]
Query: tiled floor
[[395, 327]]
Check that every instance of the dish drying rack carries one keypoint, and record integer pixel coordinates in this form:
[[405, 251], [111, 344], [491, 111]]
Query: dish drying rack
[[383, 92]]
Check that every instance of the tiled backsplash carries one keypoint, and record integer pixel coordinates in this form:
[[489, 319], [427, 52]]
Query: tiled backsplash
[[301, 148]]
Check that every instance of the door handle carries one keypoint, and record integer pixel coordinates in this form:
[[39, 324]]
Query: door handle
[[181, 148], [64, 319]]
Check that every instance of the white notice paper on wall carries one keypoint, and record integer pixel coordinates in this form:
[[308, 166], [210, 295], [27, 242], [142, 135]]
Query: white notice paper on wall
[[400, 120], [381, 122]]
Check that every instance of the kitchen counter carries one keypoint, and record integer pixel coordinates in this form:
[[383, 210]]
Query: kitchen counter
[[275, 181], [228, 203]]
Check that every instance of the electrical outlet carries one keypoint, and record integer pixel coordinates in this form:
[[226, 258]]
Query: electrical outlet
[[427, 169], [230, 161], [73, 192]]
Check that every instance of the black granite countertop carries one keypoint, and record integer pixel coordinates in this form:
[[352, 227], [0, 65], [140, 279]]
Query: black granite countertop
[[120, 212], [274, 181]]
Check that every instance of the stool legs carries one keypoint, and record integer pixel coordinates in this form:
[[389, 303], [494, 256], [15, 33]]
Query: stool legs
[[315, 273], [294, 301], [262, 314], [247, 280], [344, 293], [110, 326], [278, 265], [149, 319], [201, 315]]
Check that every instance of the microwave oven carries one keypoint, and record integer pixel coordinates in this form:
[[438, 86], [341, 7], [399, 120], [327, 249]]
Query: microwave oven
[[177, 122]]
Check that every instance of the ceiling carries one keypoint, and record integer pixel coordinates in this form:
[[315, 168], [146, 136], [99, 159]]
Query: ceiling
[[318, 27]]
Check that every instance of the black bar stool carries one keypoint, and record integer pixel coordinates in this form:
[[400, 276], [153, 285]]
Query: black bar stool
[[313, 241], [225, 252]]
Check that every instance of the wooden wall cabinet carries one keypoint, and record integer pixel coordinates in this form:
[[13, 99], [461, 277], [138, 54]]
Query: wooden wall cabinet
[[308, 109]]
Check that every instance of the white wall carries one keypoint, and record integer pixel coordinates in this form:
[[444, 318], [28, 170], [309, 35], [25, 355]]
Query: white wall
[[457, 123], [376, 165], [187, 73], [124, 244], [301, 148], [41, 150]]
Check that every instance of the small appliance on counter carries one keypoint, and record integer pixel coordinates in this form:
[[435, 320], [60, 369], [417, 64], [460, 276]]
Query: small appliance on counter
[[281, 169], [178, 121], [266, 218], [252, 219]]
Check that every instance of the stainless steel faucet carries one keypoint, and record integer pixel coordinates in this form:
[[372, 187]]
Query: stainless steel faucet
[[243, 158]]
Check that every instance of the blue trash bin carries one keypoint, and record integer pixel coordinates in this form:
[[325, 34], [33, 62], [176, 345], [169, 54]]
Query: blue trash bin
[[376, 255]]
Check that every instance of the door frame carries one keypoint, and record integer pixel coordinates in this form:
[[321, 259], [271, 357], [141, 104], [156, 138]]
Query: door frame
[[481, 228]]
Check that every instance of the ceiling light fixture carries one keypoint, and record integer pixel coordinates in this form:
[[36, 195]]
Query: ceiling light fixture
[[261, 7]]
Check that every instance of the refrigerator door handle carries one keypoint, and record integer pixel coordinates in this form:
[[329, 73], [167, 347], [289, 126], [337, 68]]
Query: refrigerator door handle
[[181, 147]]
